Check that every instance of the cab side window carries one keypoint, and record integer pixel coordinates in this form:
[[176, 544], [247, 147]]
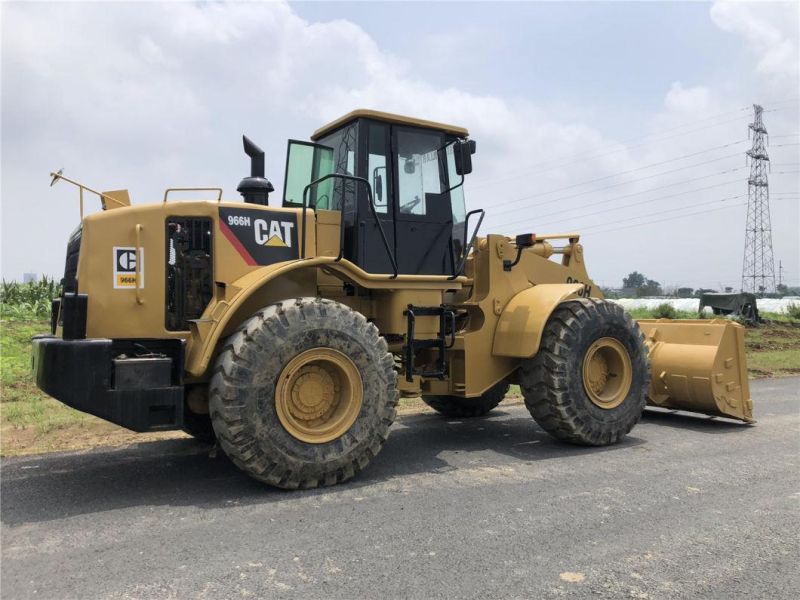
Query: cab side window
[[418, 170], [377, 161], [305, 163]]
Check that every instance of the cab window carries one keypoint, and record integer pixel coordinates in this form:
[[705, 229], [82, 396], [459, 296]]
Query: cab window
[[418, 170]]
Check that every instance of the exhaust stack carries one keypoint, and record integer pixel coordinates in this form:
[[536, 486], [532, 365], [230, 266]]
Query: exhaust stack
[[256, 188]]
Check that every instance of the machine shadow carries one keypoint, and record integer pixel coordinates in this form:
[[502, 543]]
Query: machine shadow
[[182, 472], [693, 422]]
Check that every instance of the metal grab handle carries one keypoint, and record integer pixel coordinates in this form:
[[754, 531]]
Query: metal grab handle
[[137, 262], [468, 247], [452, 318], [194, 189], [389, 253]]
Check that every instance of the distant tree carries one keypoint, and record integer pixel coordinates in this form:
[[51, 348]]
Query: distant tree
[[701, 291], [634, 280], [649, 288], [728, 290], [685, 292], [782, 288]]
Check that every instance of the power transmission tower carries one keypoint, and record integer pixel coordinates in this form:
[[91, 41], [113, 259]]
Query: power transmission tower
[[758, 268]]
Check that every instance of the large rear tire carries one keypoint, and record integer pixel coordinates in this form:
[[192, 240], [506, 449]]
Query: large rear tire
[[303, 394], [463, 408], [587, 383]]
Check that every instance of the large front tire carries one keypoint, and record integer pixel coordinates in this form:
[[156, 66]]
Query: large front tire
[[464, 408], [303, 394], [587, 383]]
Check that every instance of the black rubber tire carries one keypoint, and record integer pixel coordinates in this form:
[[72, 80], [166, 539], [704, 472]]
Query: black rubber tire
[[464, 408], [242, 393], [552, 381]]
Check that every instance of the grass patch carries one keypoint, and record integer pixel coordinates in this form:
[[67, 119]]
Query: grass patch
[[31, 421], [662, 312]]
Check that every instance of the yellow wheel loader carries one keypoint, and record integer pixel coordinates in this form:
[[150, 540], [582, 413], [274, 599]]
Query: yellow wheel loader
[[287, 331]]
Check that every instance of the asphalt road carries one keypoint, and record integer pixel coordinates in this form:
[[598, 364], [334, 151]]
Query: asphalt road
[[489, 508]]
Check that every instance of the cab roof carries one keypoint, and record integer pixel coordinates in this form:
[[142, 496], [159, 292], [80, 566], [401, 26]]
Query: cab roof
[[389, 118]]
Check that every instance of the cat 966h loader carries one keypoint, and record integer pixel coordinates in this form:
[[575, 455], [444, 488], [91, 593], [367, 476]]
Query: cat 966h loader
[[287, 331]]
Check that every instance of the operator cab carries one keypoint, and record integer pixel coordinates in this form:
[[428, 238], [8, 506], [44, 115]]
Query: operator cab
[[411, 171]]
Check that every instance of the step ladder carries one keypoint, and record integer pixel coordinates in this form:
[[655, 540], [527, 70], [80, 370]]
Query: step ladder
[[441, 342]]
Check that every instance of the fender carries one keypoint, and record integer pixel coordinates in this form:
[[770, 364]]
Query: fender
[[519, 330], [224, 313], [208, 331]]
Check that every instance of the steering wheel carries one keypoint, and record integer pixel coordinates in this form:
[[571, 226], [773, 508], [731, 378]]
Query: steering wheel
[[408, 206]]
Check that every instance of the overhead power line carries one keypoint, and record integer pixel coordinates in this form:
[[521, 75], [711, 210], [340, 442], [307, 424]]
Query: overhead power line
[[687, 215], [661, 212], [548, 219], [595, 190], [642, 168], [608, 200], [625, 145], [582, 183]]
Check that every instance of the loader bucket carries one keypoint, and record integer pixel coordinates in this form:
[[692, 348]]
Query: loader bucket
[[698, 366]]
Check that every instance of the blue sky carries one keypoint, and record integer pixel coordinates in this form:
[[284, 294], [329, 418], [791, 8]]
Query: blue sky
[[573, 106], [609, 59]]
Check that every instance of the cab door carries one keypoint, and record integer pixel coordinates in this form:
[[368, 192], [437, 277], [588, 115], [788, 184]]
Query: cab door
[[424, 216], [375, 163]]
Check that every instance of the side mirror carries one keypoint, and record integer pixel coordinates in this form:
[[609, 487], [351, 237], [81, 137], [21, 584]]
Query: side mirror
[[462, 155]]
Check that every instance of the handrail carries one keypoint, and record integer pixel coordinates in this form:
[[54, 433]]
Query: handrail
[[194, 189], [468, 247], [389, 253], [138, 262]]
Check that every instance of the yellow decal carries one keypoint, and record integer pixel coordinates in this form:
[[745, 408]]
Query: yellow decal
[[275, 241]]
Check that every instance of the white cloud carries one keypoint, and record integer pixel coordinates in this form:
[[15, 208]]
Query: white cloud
[[770, 30], [152, 95], [692, 100]]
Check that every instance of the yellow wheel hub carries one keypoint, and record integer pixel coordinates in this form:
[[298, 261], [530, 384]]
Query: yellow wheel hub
[[319, 395], [607, 372]]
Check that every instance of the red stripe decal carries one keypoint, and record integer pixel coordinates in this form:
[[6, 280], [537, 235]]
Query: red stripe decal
[[226, 231]]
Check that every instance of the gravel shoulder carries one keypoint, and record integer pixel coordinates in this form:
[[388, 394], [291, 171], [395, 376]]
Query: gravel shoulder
[[686, 506]]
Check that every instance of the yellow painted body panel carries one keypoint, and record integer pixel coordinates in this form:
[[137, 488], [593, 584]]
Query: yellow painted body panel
[[519, 330], [139, 313]]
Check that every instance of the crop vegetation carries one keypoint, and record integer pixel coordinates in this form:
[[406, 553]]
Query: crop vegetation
[[28, 301]]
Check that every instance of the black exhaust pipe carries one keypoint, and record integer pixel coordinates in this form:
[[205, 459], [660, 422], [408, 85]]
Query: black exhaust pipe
[[256, 188]]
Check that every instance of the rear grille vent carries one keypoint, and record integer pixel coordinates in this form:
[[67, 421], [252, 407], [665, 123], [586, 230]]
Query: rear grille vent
[[189, 270], [70, 281]]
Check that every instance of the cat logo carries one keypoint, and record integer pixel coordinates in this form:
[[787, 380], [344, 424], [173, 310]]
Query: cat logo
[[273, 233], [260, 236], [125, 267]]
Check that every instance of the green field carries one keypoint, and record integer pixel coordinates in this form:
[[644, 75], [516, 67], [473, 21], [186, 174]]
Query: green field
[[30, 421]]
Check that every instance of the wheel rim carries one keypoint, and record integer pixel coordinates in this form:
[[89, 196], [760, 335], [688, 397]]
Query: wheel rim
[[319, 395], [607, 373]]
